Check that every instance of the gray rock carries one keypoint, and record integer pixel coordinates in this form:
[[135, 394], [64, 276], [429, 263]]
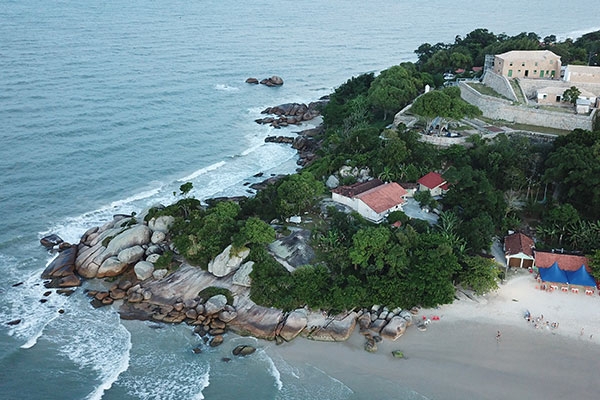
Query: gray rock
[[294, 324], [243, 350], [154, 249], [394, 328], [336, 329], [215, 304], [51, 241], [131, 255], [407, 316], [136, 235], [159, 273], [227, 316], [143, 270], [112, 266], [242, 275], [227, 262], [153, 258], [332, 182], [294, 249], [161, 224], [158, 237]]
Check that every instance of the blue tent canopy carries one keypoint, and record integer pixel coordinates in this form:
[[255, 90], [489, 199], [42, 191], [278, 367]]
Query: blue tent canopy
[[581, 277], [553, 274]]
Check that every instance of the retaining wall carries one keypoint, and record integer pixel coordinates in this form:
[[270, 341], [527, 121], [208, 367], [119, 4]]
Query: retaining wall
[[500, 109]]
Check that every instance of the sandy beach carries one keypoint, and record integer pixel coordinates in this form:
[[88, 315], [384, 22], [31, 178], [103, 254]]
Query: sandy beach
[[460, 357]]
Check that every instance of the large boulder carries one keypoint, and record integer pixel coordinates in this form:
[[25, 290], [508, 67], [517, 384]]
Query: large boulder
[[227, 262], [332, 182], [85, 264], [394, 328], [294, 249], [62, 265], [136, 235], [294, 324], [161, 224], [143, 270], [215, 304], [51, 241], [328, 329], [131, 255], [112, 266], [242, 275]]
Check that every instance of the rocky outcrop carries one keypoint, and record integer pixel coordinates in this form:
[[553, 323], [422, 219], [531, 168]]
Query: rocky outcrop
[[394, 328], [330, 329], [61, 271], [161, 224], [228, 261], [253, 81], [272, 81], [124, 249], [293, 250], [290, 114], [294, 324], [242, 275], [50, 241]]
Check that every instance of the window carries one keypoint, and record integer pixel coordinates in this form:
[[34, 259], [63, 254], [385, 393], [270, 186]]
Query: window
[[535, 71], [522, 64], [510, 65], [536, 63], [545, 96], [551, 61]]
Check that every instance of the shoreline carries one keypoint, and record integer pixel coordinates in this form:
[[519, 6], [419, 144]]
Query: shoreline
[[459, 357]]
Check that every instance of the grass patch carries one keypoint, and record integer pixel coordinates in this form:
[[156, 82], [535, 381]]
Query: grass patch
[[213, 291], [486, 90], [517, 89]]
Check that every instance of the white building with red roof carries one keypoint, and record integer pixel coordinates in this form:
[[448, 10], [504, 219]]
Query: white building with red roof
[[434, 183], [374, 200], [518, 249]]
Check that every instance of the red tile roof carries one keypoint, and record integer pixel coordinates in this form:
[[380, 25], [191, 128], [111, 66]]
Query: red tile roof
[[566, 262], [357, 188], [383, 197], [432, 180], [519, 243]]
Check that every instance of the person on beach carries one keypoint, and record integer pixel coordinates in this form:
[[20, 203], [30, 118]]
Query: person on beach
[[498, 335]]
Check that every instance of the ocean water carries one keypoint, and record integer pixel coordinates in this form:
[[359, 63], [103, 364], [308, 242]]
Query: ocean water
[[109, 106]]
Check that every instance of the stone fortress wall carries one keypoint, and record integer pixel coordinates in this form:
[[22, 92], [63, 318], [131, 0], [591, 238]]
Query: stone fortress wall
[[501, 109]]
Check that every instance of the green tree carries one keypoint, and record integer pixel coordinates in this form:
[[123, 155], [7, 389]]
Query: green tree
[[369, 248], [595, 265], [571, 95], [255, 231], [392, 89], [479, 274], [445, 103], [298, 193]]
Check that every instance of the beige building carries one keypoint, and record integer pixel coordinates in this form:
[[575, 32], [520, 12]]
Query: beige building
[[582, 74], [533, 64], [552, 95]]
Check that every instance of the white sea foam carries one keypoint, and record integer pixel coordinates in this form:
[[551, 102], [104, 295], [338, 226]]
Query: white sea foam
[[204, 381], [226, 88], [23, 302], [111, 375], [33, 339], [576, 33], [202, 171], [136, 197], [273, 370]]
